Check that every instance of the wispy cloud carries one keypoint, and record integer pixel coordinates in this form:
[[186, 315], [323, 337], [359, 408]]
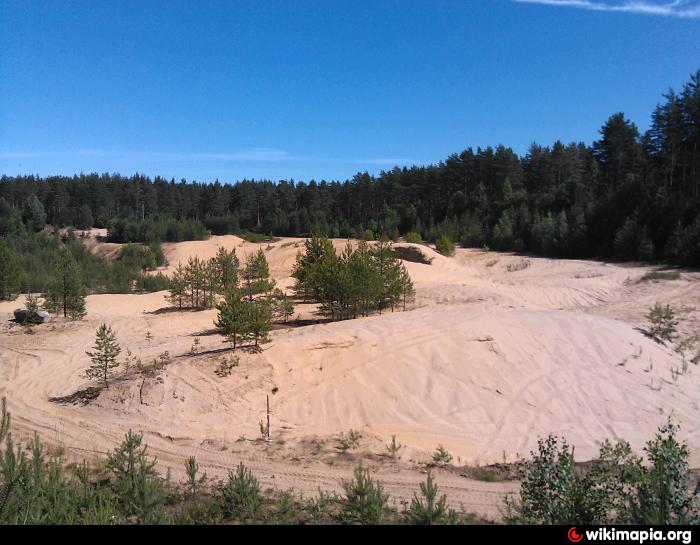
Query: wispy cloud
[[688, 9], [263, 155], [254, 154]]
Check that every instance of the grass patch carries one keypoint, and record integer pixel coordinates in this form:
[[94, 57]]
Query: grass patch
[[655, 276], [486, 475]]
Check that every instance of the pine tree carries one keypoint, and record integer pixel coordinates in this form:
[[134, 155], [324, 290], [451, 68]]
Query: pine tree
[[233, 320], [9, 271], [104, 355], [282, 305], [136, 480], [662, 320], [66, 292], [256, 275], [178, 287], [429, 510], [408, 292], [226, 265], [259, 318]]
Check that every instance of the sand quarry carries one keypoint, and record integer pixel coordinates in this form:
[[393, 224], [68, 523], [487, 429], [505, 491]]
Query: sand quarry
[[496, 351]]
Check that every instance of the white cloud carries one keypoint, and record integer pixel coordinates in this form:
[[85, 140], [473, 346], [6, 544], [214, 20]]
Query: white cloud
[[255, 154], [688, 9]]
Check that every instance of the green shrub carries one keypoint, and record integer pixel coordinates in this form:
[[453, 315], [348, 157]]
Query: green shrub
[[241, 496], [445, 246], [662, 322], [441, 456], [413, 237], [364, 500], [429, 509], [661, 275]]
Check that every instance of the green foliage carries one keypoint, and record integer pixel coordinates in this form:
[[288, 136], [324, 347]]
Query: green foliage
[[240, 495], [363, 500], [66, 292], [662, 322], [138, 490], [660, 275], [256, 275], [618, 488], [627, 195], [152, 282], [156, 229], [552, 492], [195, 481], [356, 282], [444, 245], [413, 237], [10, 277], [31, 303], [286, 509], [232, 319], [429, 509], [104, 355], [441, 456], [632, 240]]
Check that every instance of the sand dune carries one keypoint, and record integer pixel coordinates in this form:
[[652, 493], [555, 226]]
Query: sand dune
[[497, 350]]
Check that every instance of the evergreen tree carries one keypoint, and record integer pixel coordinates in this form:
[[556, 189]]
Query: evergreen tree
[[136, 481], [104, 355], [226, 265], [178, 287], [256, 275], [233, 320], [34, 214], [66, 292], [429, 509], [258, 315], [282, 305], [9, 271]]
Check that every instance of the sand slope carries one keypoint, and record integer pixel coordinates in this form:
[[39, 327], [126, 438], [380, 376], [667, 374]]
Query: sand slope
[[496, 351]]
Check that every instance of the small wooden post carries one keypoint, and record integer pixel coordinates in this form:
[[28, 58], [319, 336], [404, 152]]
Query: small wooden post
[[268, 418]]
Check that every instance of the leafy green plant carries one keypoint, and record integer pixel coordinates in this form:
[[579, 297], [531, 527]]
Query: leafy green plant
[[194, 481], [137, 487], [441, 456], [662, 322], [429, 509], [364, 500], [241, 496], [660, 275], [445, 245]]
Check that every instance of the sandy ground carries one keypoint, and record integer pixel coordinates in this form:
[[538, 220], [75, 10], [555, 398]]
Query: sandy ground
[[496, 351]]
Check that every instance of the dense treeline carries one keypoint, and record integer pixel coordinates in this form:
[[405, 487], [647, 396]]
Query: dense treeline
[[356, 282], [628, 195], [30, 263]]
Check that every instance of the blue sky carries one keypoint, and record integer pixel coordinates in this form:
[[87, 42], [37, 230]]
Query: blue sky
[[322, 89]]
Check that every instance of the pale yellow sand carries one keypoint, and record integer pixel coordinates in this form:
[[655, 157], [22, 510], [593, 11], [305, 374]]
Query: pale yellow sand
[[485, 362]]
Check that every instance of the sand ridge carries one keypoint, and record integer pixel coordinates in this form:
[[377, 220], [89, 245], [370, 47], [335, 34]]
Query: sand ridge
[[497, 350]]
